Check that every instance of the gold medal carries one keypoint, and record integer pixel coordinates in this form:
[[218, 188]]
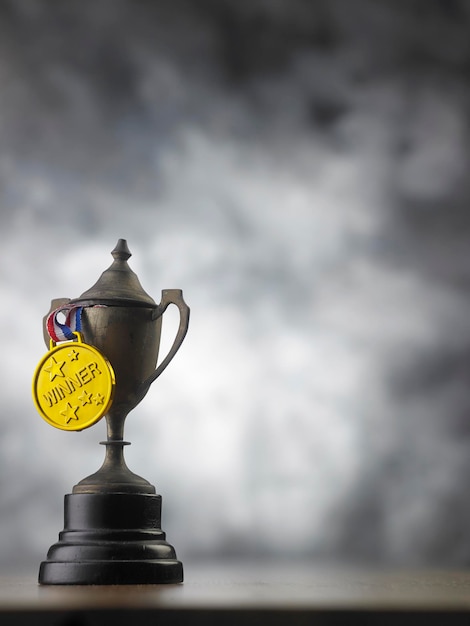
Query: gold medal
[[73, 385]]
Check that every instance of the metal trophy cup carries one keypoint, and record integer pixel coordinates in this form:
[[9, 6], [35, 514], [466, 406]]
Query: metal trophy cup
[[112, 532]]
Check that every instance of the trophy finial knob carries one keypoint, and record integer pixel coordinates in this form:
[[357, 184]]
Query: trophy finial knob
[[121, 252], [118, 285]]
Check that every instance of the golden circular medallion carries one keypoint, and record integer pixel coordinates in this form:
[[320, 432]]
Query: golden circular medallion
[[73, 385]]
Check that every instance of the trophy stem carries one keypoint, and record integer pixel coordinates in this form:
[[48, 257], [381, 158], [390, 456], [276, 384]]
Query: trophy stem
[[114, 456], [114, 476], [115, 421]]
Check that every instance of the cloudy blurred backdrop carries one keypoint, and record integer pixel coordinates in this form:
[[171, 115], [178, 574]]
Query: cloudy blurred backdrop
[[299, 169]]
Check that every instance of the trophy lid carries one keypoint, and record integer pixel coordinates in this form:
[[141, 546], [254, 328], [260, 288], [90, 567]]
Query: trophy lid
[[118, 285]]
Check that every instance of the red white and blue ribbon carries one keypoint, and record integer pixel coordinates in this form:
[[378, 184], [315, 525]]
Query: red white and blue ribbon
[[73, 323]]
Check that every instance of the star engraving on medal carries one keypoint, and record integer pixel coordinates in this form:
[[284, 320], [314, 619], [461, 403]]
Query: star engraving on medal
[[70, 413], [55, 368], [86, 398], [99, 399], [73, 355]]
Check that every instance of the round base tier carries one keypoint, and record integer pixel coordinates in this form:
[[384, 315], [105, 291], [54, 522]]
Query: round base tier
[[111, 539]]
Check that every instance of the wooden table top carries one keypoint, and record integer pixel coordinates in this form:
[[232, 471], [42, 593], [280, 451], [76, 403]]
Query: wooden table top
[[248, 593]]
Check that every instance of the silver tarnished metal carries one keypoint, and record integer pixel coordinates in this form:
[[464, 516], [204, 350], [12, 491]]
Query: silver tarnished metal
[[124, 323]]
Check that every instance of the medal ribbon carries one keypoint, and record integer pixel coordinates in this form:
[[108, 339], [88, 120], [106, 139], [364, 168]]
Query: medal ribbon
[[73, 323]]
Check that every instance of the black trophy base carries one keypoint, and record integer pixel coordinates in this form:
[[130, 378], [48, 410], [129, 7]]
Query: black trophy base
[[111, 539]]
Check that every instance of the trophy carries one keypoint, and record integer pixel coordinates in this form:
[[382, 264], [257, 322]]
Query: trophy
[[102, 359]]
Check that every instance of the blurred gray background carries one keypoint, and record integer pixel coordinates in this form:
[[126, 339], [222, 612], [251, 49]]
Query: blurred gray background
[[300, 169]]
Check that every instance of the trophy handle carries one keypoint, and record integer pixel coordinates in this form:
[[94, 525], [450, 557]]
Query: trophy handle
[[169, 296]]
